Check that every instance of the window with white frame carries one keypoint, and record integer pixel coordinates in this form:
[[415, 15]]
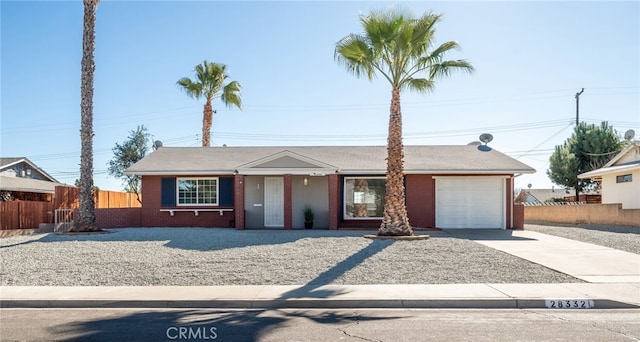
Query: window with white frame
[[197, 191], [624, 178], [364, 197]]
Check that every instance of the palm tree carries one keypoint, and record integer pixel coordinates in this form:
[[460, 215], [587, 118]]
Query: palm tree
[[211, 82], [86, 220], [397, 46]]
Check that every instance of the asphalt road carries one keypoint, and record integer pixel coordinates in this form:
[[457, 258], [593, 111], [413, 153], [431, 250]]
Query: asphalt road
[[318, 325]]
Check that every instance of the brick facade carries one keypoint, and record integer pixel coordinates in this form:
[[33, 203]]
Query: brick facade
[[421, 200], [420, 195], [239, 201]]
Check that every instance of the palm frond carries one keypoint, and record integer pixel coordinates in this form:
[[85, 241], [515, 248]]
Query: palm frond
[[231, 95], [420, 85], [397, 46], [445, 68], [354, 52]]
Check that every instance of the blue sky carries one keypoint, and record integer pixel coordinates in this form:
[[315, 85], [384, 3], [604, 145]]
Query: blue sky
[[531, 58]]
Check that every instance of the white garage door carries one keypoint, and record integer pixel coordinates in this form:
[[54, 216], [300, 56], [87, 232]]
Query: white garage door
[[470, 202]]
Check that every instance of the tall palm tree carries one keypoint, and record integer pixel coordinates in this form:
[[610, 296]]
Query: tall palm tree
[[398, 46], [86, 220], [211, 82]]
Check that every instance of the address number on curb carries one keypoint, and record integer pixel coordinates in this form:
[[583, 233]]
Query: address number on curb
[[569, 303]]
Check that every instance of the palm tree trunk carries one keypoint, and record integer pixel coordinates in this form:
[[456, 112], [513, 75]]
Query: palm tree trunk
[[395, 221], [86, 220], [207, 121]]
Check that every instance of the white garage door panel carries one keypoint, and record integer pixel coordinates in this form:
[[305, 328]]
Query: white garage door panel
[[470, 202]]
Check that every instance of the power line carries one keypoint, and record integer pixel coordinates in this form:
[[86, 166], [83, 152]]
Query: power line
[[544, 141]]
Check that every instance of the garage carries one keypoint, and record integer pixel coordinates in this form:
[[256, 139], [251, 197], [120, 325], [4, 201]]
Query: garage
[[470, 202]]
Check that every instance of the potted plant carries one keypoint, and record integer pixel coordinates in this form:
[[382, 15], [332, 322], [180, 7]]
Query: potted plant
[[308, 217]]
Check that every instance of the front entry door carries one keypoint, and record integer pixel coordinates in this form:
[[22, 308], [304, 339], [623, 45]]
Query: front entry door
[[274, 202]]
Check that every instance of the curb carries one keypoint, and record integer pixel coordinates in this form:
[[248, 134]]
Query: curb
[[471, 303]]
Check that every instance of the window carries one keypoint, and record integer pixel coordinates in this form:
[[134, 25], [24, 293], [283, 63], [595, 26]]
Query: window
[[623, 178], [197, 191], [364, 197]]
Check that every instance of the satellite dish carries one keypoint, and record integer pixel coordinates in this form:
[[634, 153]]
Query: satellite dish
[[486, 138], [157, 144], [628, 135], [474, 143]]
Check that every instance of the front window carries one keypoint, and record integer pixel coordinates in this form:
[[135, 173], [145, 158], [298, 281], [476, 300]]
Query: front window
[[364, 197], [623, 178], [197, 191]]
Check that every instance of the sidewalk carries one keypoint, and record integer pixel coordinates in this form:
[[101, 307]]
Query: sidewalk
[[612, 281]]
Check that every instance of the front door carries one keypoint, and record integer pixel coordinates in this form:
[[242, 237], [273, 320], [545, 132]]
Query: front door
[[274, 202]]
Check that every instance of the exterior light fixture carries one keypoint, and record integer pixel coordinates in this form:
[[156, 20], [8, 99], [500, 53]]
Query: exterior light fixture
[[305, 181]]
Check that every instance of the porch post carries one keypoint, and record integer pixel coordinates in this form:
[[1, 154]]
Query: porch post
[[288, 218], [334, 199]]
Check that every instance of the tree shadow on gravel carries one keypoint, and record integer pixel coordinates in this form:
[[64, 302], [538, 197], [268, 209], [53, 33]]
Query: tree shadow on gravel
[[198, 325], [313, 289], [228, 325]]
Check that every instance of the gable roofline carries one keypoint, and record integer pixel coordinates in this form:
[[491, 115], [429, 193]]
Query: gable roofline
[[423, 159], [622, 153], [287, 153], [8, 162], [608, 170]]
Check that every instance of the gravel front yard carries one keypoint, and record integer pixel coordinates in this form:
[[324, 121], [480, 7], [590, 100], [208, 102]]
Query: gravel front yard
[[196, 256]]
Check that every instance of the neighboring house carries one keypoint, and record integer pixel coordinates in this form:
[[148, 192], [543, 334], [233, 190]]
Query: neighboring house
[[21, 179], [620, 178], [542, 195], [257, 187]]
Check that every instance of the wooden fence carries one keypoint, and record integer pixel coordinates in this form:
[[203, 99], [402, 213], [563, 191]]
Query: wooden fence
[[29, 214], [67, 197], [25, 214]]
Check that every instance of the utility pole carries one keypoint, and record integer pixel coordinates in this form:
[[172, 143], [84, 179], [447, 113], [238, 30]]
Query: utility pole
[[578, 106], [578, 122]]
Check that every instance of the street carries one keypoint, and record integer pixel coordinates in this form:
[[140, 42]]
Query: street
[[318, 325]]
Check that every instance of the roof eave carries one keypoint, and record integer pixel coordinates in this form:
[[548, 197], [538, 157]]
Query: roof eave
[[608, 170], [179, 173]]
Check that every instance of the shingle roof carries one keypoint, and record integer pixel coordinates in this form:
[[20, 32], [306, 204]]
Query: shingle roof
[[435, 159], [27, 185]]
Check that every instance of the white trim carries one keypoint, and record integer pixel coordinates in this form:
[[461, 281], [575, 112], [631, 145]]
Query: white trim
[[286, 153], [609, 170], [178, 204], [195, 211], [182, 173], [471, 175], [622, 154], [271, 206], [283, 171]]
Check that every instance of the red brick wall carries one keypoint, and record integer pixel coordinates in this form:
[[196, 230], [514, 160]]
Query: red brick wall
[[118, 217], [151, 216], [209, 219], [334, 200], [151, 191], [509, 202], [518, 216], [239, 201], [421, 200]]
